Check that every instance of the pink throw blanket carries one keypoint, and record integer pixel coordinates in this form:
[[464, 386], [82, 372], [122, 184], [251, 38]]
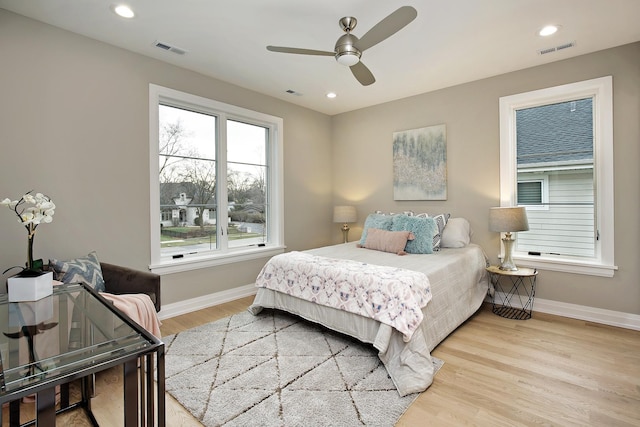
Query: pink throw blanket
[[139, 308]]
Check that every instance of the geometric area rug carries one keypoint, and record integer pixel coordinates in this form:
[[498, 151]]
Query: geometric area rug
[[275, 369]]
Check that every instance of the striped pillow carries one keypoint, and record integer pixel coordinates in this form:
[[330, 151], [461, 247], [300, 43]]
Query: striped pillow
[[441, 221], [80, 270]]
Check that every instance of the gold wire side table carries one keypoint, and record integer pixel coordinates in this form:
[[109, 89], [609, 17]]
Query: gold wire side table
[[513, 292]]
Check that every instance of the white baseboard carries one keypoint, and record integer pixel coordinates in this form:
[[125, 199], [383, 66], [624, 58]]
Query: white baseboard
[[573, 311], [581, 312], [217, 298]]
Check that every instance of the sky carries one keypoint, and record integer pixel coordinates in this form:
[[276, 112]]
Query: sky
[[246, 142]]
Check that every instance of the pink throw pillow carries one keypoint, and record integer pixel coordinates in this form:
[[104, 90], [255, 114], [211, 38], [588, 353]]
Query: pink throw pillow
[[387, 241]]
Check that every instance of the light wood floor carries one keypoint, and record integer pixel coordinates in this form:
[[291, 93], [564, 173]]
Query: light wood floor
[[548, 370]]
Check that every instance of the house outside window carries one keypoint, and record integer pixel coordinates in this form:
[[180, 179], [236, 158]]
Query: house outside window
[[556, 141], [556, 159], [216, 182]]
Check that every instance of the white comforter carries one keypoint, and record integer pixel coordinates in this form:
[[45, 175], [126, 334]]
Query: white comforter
[[458, 282]]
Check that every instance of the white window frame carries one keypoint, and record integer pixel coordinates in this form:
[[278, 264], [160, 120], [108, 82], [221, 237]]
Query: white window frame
[[165, 264], [601, 90]]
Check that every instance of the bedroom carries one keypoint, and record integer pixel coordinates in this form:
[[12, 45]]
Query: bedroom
[[90, 147]]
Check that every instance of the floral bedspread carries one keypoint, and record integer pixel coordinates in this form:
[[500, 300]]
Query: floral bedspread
[[393, 296]]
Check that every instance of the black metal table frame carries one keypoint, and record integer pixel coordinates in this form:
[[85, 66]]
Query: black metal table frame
[[45, 390], [517, 281]]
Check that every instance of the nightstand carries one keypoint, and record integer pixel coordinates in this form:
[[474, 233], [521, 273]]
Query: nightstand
[[513, 292]]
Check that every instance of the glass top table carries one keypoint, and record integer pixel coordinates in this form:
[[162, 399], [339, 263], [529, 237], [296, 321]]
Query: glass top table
[[70, 335]]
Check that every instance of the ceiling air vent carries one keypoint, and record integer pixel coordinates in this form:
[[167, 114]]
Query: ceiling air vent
[[168, 47], [557, 48], [566, 46]]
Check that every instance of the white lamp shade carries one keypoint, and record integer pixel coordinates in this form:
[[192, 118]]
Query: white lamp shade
[[344, 214], [508, 219]]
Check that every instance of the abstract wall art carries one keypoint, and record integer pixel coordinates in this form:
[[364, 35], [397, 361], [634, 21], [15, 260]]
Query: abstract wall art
[[420, 164]]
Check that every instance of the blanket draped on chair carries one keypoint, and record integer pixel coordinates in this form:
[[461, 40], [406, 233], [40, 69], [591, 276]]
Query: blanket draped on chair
[[139, 308]]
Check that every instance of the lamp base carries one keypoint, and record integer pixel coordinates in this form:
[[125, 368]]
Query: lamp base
[[507, 262], [345, 232], [508, 267]]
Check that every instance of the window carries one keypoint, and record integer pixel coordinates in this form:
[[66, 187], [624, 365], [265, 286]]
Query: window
[[529, 192], [533, 191], [215, 181], [556, 159]]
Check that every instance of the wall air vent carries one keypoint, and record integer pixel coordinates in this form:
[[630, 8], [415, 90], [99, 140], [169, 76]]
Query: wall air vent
[[293, 92], [168, 47], [556, 48]]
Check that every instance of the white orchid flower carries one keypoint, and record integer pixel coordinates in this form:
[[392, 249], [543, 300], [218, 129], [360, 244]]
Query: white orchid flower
[[41, 211]]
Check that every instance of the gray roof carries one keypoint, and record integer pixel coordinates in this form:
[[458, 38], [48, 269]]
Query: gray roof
[[555, 133]]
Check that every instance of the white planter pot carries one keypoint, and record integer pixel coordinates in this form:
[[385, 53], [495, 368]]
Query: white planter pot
[[30, 288]]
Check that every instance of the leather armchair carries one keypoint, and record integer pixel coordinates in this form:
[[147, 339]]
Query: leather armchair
[[123, 280]]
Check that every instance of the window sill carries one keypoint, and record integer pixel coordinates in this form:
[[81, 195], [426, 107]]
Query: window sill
[[565, 264], [195, 262]]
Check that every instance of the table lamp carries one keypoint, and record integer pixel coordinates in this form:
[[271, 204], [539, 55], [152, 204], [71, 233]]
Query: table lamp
[[344, 215], [508, 220]]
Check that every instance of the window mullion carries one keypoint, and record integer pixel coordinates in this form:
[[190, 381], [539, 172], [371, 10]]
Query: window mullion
[[222, 196]]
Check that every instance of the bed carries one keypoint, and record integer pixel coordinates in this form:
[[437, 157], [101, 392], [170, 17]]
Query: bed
[[458, 285]]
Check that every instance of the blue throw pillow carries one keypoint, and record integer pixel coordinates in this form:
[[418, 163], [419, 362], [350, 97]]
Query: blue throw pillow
[[424, 230], [379, 221], [85, 270], [441, 220]]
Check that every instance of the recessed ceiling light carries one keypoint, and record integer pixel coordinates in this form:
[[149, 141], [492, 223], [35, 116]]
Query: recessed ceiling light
[[123, 11], [331, 95], [548, 30]]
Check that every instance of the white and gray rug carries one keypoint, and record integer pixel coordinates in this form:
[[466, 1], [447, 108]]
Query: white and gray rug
[[275, 369]]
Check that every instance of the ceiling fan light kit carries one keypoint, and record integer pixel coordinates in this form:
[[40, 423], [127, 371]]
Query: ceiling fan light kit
[[348, 58], [346, 52], [348, 49]]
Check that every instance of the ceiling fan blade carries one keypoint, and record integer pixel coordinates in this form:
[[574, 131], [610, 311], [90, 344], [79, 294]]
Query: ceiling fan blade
[[362, 74], [387, 27], [299, 51]]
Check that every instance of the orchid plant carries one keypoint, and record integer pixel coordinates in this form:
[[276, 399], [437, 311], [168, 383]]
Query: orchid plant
[[32, 210]]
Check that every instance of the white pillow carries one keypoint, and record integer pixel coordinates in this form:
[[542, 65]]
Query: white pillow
[[456, 234]]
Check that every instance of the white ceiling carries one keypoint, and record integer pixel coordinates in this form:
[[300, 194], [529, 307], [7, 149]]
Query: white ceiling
[[450, 42]]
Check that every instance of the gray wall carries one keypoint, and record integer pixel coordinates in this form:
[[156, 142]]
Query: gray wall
[[74, 124], [363, 163]]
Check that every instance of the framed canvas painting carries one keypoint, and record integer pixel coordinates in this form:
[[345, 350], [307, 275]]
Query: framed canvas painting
[[420, 164]]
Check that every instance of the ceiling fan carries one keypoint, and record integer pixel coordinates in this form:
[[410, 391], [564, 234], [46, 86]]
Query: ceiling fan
[[348, 49]]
